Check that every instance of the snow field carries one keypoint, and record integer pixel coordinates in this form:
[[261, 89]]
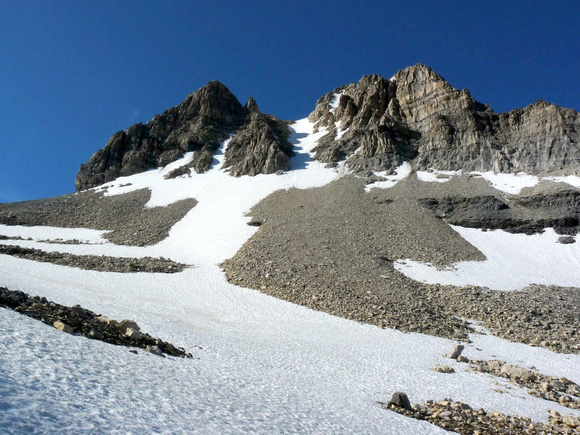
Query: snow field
[[514, 261], [264, 365]]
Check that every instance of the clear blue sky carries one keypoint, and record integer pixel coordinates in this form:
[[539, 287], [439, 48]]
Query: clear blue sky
[[72, 73]]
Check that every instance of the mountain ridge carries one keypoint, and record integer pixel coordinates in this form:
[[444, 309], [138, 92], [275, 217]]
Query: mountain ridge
[[375, 125]]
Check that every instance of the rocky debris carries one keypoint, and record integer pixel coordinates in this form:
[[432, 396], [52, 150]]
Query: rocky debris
[[443, 369], [566, 240], [455, 352], [524, 214], [544, 316], [78, 320], [377, 124], [3, 237], [59, 241], [125, 216], [555, 389], [200, 124], [96, 262], [461, 418], [332, 249]]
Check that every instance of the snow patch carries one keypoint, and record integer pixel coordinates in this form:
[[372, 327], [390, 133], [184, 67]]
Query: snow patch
[[335, 100], [508, 183], [53, 233], [436, 176], [339, 131], [514, 261], [401, 173]]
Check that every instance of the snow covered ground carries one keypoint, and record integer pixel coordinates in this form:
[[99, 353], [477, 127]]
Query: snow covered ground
[[514, 261], [264, 365]]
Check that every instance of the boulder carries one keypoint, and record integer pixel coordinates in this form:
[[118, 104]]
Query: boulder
[[132, 333], [455, 352], [400, 400], [63, 327], [128, 324]]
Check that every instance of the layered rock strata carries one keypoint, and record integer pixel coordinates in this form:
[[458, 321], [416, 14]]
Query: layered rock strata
[[378, 123]]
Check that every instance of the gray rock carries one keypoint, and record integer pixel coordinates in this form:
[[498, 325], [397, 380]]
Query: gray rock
[[443, 369], [566, 240], [63, 327], [128, 324], [132, 333], [418, 116], [455, 352], [205, 119], [155, 350], [400, 400]]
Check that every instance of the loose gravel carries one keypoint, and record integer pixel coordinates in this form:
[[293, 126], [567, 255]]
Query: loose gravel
[[332, 249], [96, 262], [125, 216], [461, 418]]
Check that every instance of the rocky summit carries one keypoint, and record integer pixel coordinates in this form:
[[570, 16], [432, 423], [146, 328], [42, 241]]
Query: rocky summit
[[417, 116], [206, 118]]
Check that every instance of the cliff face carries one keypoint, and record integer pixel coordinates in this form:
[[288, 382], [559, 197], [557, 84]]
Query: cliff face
[[377, 124], [205, 119]]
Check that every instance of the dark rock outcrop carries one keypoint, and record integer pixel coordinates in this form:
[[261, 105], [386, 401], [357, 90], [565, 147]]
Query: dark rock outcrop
[[524, 214], [78, 320], [377, 124], [205, 119], [259, 147]]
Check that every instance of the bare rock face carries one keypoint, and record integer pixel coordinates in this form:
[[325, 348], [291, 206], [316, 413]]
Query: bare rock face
[[377, 124], [205, 119], [259, 147]]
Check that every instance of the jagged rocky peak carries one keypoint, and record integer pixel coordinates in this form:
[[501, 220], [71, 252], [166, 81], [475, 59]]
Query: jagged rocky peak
[[252, 106], [260, 146], [204, 120], [417, 116]]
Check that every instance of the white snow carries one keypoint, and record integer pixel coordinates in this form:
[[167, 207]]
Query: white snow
[[508, 183], [53, 233], [572, 180], [436, 176], [264, 366], [335, 100], [339, 131], [401, 173], [514, 261]]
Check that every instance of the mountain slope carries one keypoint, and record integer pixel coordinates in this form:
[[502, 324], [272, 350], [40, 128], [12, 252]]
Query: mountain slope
[[355, 244]]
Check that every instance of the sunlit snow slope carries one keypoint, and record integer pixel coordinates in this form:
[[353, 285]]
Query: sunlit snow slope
[[260, 364]]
